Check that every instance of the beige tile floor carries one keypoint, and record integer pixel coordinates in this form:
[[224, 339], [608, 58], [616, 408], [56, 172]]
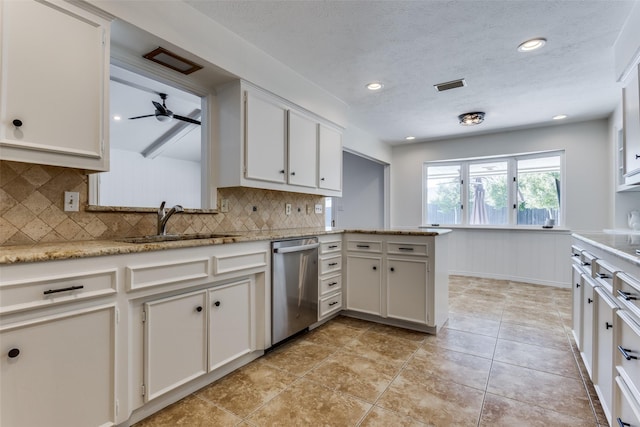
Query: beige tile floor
[[505, 358]]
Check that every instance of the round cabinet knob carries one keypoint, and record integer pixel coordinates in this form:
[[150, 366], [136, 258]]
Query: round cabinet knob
[[13, 353], [198, 309], [217, 303], [282, 171], [392, 269], [321, 179], [375, 268], [17, 123], [293, 173]]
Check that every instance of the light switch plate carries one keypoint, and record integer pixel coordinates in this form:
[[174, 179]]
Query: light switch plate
[[71, 201], [318, 208]]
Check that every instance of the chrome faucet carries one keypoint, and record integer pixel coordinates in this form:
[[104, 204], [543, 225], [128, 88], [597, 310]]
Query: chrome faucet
[[163, 217]]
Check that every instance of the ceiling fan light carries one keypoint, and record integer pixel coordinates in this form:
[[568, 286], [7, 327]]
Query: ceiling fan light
[[163, 118], [471, 119]]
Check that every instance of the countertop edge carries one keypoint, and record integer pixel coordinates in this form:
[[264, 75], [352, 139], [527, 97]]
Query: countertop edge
[[93, 248], [590, 238]]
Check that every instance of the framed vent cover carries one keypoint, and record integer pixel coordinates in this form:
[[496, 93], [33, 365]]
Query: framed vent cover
[[170, 60]]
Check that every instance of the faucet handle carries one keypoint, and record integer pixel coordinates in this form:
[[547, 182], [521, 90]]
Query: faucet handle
[[161, 210]]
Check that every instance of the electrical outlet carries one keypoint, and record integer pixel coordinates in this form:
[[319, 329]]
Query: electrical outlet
[[224, 205], [287, 209], [71, 201], [308, 209], [318, 208]]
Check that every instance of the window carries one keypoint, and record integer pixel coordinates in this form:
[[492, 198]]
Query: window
[[515, 190]]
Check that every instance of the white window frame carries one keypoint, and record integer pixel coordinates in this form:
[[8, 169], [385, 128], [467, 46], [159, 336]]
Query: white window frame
[[512, 173]]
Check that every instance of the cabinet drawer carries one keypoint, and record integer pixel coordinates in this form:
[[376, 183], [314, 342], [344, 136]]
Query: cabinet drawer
[[330, 304], [24, 295], [330, 247], [327, 265], [407, 248], [627, 405], [603, 272], [627, 345], [576, 251], [365, 245], [146, 276], [330, 284], [627, 290], [587, 260], [238, 262]]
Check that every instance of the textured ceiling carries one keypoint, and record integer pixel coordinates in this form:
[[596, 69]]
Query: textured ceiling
[[412, 45]]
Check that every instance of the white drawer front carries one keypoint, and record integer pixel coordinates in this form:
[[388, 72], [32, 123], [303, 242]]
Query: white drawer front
[[146, 276], [238, 262], [365, 246], [328, 265], [421, 249], [628, 349], [627, 406], [330, 284], [330, 304], [24, 295], [330, 247], [627, 290]]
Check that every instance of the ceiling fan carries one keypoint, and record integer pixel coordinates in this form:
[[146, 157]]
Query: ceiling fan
[[163, 114]]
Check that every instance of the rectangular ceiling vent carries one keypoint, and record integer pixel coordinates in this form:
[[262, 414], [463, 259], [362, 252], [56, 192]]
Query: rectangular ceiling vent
[[171, 60], [441, 87]]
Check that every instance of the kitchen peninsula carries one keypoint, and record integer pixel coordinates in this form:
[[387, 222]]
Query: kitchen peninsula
[[138, 326]]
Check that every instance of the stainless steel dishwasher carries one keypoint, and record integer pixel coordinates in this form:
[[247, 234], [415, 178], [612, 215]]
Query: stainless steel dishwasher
[[294, 286]]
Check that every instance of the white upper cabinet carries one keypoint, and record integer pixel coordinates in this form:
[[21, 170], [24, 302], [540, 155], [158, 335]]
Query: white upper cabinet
[[303, 136], [330, 159], [631, 124], [265, 138], [268, 142], [53, 78]]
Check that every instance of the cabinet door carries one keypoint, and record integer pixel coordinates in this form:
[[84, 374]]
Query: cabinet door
[[364, 283], [576, 308], [407, 289], [230, 322], [303, 164], [59, 371], [330, 159], [175, 342], [603, 346], [53, 76], [265, 138], [587, 324], [631, 124]]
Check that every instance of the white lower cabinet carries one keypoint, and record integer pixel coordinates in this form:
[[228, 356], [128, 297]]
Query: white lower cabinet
[[329, 276], [407, 289], [603, 355], [364, 283], [230, 319], [576, 306], [588, 299], [175, 342], [59, 370]]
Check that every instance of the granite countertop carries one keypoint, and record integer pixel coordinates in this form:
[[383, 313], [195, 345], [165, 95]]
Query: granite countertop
[[90, 248], [623, 245]]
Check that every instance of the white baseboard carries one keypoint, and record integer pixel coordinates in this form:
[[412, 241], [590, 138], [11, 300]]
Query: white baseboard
[[531, 280]]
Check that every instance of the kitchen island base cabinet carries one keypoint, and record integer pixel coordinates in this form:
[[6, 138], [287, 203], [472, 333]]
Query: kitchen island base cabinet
[[399, 280], [59, 370]]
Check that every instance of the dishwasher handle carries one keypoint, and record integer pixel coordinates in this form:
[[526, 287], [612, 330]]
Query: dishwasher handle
[[299, 248]]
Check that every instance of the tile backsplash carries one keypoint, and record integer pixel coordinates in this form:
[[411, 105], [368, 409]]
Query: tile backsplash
[[32, 198]]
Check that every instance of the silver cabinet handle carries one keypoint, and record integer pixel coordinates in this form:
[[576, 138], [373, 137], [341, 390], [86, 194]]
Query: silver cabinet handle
[[625, 353]]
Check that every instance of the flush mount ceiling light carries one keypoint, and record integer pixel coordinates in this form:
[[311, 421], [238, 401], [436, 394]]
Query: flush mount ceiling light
[[410, 138], [559, 117], [471, 119], [532, 44], [170, 60], [374, 86]]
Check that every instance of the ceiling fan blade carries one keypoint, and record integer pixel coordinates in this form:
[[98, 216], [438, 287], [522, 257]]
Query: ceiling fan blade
[[141, 117], [159, 107], [186, 119]]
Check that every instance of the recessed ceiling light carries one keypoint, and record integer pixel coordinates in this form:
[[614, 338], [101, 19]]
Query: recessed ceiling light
[[117, 118], [375, 86], [532, 44], [560, 117], [410, 138], [470, 119]]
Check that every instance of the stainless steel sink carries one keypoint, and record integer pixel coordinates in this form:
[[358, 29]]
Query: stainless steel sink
[[175, 237]]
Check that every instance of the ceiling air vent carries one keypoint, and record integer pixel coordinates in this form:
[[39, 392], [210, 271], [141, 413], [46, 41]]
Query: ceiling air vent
[[441, 87], [171, 60]]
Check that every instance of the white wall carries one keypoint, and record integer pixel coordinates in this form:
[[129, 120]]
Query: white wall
[[362, 201], [127, 183], [359, 141], [588, 173]]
